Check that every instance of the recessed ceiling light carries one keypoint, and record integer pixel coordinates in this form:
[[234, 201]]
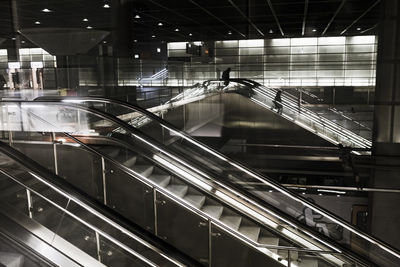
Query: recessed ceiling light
[[13, 39], [46, 10], [153, 36], [22, 42], [89, 27], [106, 6], [136, 55], [158, 50], [190, 34], [160, 24], [314, 30], [104, 42], [37, 22], [137, 16], [229, 32], [358, 29], [135, 41], [85, 19], [271, 31], [177, 30]]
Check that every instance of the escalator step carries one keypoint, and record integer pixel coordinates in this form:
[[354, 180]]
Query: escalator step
[[160, 179], [213, 210], [273, 241], [177, 189], [232, 221], [251, 232], [195, 200], [144, 170], [130, 162]]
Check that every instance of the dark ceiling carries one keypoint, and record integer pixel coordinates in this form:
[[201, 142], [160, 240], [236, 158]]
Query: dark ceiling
[[202, 19]]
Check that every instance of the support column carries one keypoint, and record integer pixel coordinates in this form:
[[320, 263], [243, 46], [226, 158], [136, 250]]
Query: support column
[[385, 212], [122, 15]]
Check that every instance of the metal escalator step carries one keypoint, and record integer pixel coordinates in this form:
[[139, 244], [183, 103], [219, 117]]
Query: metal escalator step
[[213, 210], [130, 162], [177, 189], [251, 232], [232, 221], [306, 263], [195, 200], [144, 170], [11, 259], [273, 241], [110, 151], [160, 179]]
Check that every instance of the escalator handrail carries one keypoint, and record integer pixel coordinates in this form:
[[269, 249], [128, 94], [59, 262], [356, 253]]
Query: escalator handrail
[[135, 175], [253, 173], [62, 187], [292, 99], [168, 194]]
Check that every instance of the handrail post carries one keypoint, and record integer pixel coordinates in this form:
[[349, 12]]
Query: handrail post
[[30, 204], [98, 249], [103, 172], [55, 153], [289, 258]]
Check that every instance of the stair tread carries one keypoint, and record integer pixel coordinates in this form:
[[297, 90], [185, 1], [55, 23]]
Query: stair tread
[[178, 189], [269, 240], [144, 170], [130, 162], [110, 151], [213, 210], [232, 221], [160, 179], [195, 200], [251, 232]]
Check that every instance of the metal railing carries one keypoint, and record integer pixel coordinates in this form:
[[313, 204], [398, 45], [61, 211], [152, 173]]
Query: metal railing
[[73, 202], [217, 158], [220, 193]]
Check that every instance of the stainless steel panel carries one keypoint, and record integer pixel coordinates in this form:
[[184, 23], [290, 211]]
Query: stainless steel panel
[[182, 228], [129, 197]]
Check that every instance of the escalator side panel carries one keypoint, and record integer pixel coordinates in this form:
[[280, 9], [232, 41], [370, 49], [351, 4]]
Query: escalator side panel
[[183, 229], [130, 197], [86, 172]]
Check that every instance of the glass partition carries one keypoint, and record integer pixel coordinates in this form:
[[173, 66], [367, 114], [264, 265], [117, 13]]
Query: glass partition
[[216, 180], [232, 175]]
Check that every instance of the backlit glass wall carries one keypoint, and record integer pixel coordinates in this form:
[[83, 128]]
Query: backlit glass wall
[[320, 61]]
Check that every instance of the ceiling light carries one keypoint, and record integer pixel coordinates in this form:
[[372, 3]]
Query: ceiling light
[[89, 27], [153, 36], [135, 41], [37, 22], [22, 41], [137, 16], [229, 32], [13, 39], [46, 10], [177, 30], [106, 6], [190, 34], [358, 29], [314, 30], [104, 42], [136, 55], [158, 50], [271, 31], [85, 19], [160, 24]]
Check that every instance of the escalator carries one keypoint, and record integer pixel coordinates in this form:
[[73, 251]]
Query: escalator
[[199, 200], [49, 223]]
